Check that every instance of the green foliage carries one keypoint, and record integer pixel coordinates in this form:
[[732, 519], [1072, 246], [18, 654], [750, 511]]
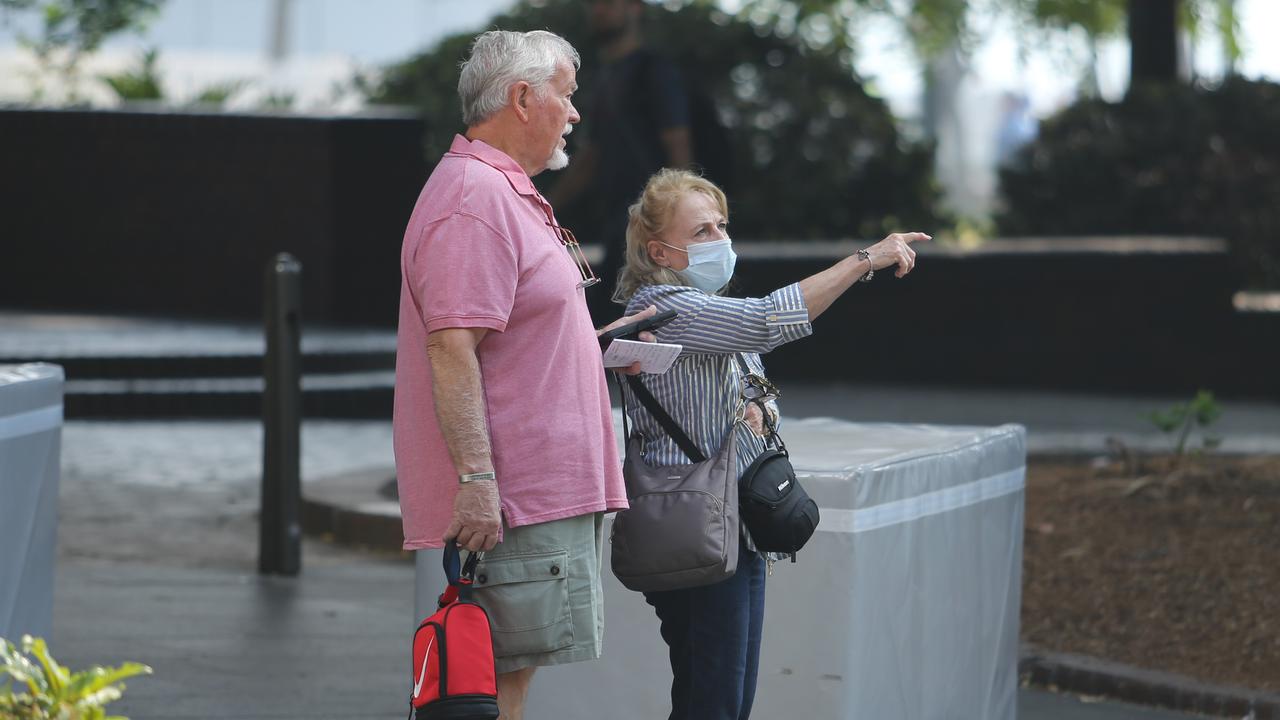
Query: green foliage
[[1098, 18], [82, 25], [218, 94], [1195, 14], [53, 692], [1171, 160], [935, 25], [74, 28], [278, 101], [815, 155], [1201, 412], [140, 83]]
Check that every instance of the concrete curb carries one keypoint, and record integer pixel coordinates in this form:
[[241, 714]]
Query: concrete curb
[[347, 509], [1087, 675]]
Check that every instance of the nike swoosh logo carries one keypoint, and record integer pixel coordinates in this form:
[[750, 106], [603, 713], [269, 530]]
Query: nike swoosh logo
[[426, 658]]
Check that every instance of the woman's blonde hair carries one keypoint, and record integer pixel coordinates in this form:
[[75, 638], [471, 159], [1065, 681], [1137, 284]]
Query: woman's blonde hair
[[647, 218]]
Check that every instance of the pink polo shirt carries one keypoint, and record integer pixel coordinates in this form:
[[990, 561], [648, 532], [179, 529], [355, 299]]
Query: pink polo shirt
[[479, 252]]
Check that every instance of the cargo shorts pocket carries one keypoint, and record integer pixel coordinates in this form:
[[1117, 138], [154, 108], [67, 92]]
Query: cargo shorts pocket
[[527, 598]]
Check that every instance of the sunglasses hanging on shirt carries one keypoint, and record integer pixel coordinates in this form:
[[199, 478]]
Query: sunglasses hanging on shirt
[[570, 244]]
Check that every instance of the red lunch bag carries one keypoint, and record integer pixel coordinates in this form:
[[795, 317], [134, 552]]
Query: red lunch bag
[[453, 672]]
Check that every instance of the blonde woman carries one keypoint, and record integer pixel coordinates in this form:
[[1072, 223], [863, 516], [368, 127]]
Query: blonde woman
[[679, 257]]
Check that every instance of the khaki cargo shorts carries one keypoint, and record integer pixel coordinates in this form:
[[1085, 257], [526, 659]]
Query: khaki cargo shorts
[[541, 588]]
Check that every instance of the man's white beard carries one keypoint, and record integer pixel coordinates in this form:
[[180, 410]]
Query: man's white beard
[[559, 160]]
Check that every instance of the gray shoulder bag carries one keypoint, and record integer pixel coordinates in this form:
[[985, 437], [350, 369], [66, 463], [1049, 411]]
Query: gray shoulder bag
[[682, 528]]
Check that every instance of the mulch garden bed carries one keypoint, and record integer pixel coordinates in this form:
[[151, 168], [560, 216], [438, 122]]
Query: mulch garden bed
[[1161, 564]]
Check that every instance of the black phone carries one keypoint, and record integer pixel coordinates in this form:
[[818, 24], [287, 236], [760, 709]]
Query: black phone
[[630, 331]]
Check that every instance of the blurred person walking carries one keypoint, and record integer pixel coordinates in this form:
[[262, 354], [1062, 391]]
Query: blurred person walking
[[640, 123], [680, 257], [503, 432]]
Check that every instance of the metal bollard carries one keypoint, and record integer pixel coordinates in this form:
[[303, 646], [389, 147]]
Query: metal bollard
[[280, 528]]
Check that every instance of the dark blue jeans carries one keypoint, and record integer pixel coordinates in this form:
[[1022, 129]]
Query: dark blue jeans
[[713, 632]]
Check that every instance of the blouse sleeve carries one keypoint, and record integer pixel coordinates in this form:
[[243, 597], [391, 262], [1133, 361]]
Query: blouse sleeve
[[715, 324]]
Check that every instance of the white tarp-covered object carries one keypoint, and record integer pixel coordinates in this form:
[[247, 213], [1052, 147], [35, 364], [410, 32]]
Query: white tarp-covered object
[[30, 443], [904, 605]]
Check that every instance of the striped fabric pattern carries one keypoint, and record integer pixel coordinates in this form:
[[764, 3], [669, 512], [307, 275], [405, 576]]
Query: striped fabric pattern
[[702, 388]]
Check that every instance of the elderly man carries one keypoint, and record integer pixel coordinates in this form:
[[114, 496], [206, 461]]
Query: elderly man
[[503, 431]]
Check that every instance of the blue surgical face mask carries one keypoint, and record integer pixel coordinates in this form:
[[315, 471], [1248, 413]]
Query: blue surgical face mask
[[710, 265]]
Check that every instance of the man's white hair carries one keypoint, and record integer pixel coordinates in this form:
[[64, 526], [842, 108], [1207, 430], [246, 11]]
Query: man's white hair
[[500, 59]]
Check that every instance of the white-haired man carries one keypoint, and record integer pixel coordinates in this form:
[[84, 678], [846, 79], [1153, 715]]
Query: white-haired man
[[503, 432]]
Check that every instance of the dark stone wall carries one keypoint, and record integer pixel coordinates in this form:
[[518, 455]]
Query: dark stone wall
[[1066, 315], [177, 213]]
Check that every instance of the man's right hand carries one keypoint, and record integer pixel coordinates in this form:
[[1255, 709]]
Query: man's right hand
[[477, 516]]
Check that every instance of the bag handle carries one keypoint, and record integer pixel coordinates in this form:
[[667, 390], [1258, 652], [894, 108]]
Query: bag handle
[[664, 419], [659, 413], [459, 574]]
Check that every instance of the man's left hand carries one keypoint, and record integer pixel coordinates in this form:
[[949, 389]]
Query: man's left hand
[[646, 336]]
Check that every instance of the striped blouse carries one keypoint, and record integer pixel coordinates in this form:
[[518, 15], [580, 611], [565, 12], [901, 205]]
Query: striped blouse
[[702, 388]]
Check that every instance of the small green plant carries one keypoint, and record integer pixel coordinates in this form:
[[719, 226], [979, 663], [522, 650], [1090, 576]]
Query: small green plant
[[142, 82], [1201, 412], [73, 30], [53, 691], [218, 94], [277, 101]]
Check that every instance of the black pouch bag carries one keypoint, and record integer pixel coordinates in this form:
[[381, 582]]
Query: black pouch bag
[[778, 513]]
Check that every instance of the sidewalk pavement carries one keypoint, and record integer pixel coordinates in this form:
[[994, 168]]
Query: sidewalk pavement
[[1057, 423], [157, 550], [330, 644]]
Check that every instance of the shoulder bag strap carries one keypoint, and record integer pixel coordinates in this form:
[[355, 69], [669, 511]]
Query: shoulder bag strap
[[655, 409]]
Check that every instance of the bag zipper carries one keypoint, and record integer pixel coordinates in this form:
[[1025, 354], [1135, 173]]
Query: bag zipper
[[714, 498]]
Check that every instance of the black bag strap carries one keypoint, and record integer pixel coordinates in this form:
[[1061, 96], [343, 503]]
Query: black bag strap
[[454, 568], [660, 414], [458, 573]]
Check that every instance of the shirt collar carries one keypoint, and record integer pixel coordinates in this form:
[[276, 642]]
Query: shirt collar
[[498, 160]]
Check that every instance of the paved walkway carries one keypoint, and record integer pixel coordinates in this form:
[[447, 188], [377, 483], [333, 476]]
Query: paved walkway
[[331, 644], [177, 453], [47, 334], [1068, 423], [156, 560], [158, 533], [1056, 422]]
